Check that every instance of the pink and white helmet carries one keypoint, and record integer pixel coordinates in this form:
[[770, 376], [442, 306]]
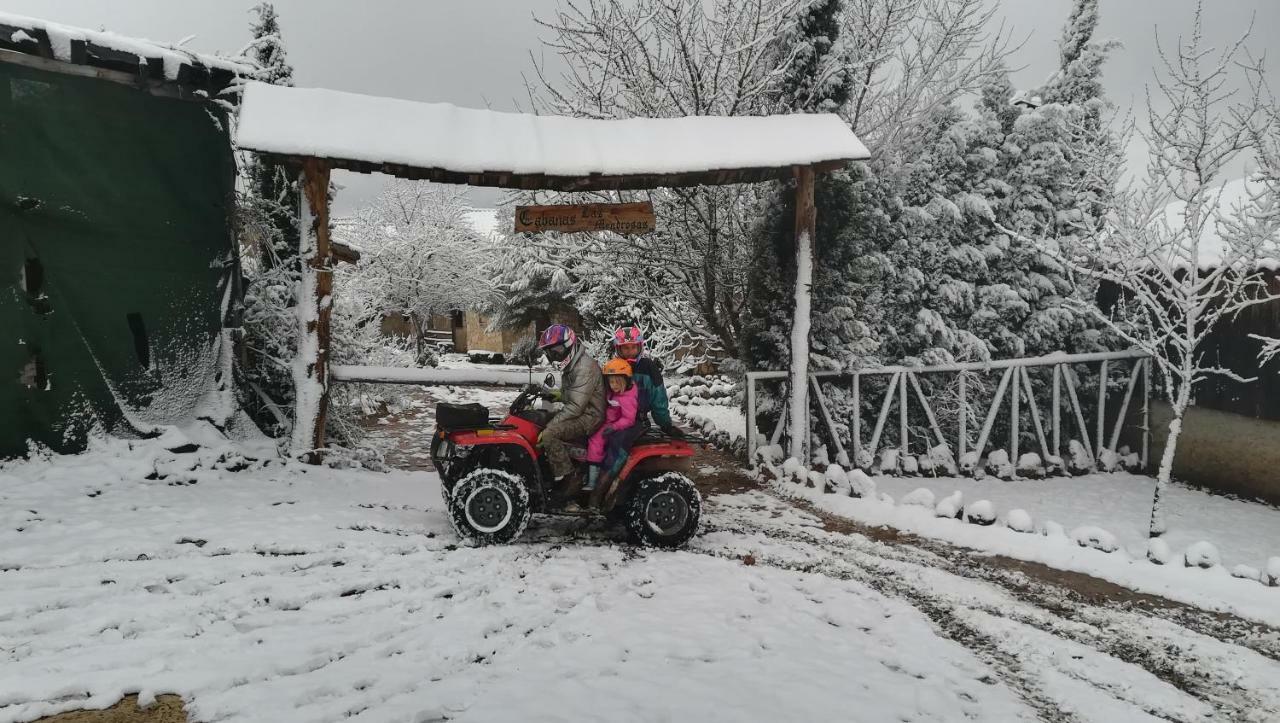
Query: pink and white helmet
[[628, 335]]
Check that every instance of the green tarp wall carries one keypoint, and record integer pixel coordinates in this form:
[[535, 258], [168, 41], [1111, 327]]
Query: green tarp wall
[[115, 256]]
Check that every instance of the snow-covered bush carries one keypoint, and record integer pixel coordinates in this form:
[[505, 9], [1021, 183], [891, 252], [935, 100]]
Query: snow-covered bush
[[861, 485], [920, 497], [1203, 555], [838, 480], [1078, 461], [1271, 576], [1246, 572], [981, 512], [950, 506], [1030, 465], [1019, 520], [1158, 551], [1095, 537], [1054, 530], [998, 464]]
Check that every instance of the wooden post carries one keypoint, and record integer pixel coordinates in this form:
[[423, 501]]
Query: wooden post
[[856, 422], [1069, 378], [889, 393], [991, 413], [315, 302], [902, 414], [1014, 415], [963, 438], [1102, 408], [805, 227], [1057, 405], [751, 419], [1034, 409]]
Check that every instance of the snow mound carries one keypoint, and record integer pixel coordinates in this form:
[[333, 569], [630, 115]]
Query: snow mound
[[862, 485], [1095, 537], [1053, 529], [889, 461], [999, 465], [838, 480], [981, 512], [1019, 521], [1079, 461], [950, 506], [920, 497], [1246, 572], [817, 480], [1158, 551], [910, 465], [793, 470], [1203, 555], [1273, 572], [1029, 464]]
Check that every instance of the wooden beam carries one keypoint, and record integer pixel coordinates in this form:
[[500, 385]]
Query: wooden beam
[[592, 182], [315, 301], [805, 226]]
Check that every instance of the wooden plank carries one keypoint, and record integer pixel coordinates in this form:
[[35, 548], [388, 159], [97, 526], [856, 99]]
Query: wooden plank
[[1067, 376], [1057, 407], [1124, 406], [1015, 417], [498, 178], [1146, 411], [826, 416], [620, 218], [928, 410], [991, 413], [962, 440], [889, 393], [1035, 414]]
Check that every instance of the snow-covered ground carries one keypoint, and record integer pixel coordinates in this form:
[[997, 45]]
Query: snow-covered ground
[[1244, 532], [284, 592], [294, 593], [1058, 544]]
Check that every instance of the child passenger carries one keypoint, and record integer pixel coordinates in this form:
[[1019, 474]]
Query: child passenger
[[619, 414]]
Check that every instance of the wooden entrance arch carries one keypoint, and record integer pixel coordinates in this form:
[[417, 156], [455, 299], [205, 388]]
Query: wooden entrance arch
[[317, 130]]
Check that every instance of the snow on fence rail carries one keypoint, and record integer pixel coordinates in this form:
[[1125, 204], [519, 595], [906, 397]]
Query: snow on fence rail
[[1088, 447], [428, 377]]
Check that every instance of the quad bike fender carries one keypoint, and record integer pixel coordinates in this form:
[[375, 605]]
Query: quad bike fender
[[481, 437], [645, 460], [651, 455]]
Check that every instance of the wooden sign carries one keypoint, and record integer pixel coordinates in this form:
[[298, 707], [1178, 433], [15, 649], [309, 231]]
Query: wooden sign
[[623, 218]]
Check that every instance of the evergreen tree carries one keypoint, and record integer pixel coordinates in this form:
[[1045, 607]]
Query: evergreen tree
[[270, 185], [817, 79]]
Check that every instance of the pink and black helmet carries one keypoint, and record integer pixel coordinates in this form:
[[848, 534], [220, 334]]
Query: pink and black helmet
[[628, 335]]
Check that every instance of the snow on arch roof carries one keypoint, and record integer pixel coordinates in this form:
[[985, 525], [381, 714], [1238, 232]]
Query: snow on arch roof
[[442, 142], [158, 61]]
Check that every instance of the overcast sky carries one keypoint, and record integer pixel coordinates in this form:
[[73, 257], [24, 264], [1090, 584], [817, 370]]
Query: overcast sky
[[474, 52]]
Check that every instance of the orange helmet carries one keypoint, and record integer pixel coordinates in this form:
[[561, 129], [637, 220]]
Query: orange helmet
[[618, 367]]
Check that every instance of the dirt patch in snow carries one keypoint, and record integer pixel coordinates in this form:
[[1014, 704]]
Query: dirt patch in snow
[[166, 709]]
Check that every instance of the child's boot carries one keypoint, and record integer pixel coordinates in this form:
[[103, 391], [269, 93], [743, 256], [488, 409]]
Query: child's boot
[[593, 474]]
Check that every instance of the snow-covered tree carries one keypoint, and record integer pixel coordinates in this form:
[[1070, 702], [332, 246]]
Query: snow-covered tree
[[419, 253], [1174, 292], [267, 226], [273, 188]]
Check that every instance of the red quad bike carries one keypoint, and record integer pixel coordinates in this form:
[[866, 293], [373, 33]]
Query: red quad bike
[[494, 477]]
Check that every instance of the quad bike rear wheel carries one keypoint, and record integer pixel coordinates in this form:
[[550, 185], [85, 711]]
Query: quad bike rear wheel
[[489, 507], [663, 511]]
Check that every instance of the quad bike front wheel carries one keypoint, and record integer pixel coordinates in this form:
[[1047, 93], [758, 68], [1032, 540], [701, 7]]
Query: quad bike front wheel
[[489, 507], [663, 511]]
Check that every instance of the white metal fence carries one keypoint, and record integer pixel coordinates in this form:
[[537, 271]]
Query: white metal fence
[[1053, 404]]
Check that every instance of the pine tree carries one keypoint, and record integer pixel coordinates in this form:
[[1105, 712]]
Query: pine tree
[[270, 185], [817, 80]]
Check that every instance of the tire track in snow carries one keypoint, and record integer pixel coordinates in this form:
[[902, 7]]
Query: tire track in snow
[[1205, 667]]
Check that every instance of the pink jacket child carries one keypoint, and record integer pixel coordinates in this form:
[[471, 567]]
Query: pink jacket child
[[619, 414]]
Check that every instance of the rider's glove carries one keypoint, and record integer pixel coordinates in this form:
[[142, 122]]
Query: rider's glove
[[673, 431]]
